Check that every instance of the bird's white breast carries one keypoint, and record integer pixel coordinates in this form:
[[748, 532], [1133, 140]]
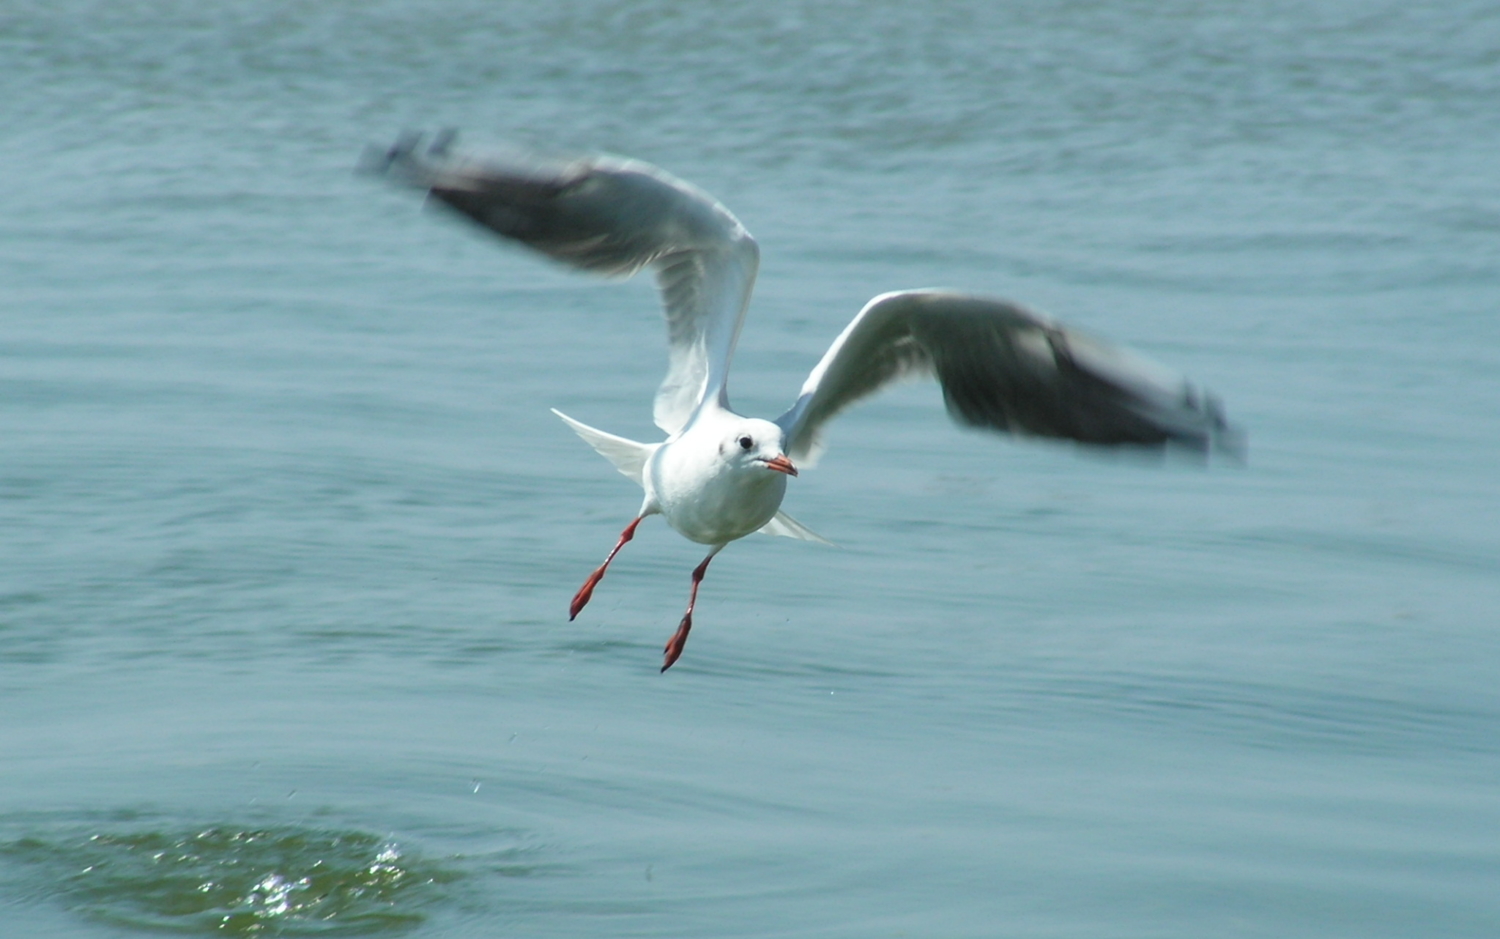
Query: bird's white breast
[[707, 498]]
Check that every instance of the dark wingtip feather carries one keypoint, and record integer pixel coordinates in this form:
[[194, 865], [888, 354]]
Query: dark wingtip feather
[[1224, 438], [1198, 425], [406, 159]]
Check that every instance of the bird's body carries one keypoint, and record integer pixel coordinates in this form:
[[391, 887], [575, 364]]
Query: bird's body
[[720, 476], [710, 488]]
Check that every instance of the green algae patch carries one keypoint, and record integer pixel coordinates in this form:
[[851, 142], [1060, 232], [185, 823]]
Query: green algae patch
[[227, 880]]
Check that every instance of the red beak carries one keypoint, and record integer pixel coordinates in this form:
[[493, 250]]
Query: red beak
[[781, 464]]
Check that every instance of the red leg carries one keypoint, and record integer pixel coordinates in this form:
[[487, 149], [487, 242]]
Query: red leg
[[679, 638], [581, 598]]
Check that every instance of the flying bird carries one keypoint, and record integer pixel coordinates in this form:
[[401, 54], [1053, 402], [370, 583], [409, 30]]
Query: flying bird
[[719, 476]]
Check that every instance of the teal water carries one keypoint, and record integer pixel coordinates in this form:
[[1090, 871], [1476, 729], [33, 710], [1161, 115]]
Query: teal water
[[289, 533]]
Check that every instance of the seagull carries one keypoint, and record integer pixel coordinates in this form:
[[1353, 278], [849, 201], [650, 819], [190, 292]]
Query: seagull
[[719, 476]]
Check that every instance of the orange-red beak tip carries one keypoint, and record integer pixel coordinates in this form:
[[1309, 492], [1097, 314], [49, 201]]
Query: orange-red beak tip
[[781, 464]]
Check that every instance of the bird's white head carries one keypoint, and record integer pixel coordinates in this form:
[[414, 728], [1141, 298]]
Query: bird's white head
[[754, 444]]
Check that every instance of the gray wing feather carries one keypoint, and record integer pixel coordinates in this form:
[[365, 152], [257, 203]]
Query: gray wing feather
[[613, 216], [1004, 368]]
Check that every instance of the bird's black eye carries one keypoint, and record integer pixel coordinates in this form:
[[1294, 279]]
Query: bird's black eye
[[746, 443]]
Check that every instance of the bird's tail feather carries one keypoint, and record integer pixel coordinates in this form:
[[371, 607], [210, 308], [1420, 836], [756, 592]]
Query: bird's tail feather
[[787, 527], [628, 456]]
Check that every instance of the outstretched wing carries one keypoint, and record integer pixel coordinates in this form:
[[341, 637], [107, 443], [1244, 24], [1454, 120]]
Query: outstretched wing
[[1004, 368], [613, 216]]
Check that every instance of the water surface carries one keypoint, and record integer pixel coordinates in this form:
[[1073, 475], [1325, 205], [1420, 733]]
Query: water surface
[[289, 533]]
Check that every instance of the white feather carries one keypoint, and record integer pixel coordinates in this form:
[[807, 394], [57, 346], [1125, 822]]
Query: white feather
[[628, 456]]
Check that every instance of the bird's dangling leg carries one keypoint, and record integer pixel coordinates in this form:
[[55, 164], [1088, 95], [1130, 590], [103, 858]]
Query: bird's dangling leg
[[581, 598], [679, 639]]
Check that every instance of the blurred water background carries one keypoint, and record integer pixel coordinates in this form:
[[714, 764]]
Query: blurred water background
[[289, 533]]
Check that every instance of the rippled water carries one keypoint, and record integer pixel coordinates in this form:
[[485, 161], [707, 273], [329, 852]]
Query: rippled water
[[292, 881], [289, 534]]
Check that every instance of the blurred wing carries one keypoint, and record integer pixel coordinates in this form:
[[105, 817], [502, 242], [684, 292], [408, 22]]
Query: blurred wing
[[614, 217], [1004, 368]]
